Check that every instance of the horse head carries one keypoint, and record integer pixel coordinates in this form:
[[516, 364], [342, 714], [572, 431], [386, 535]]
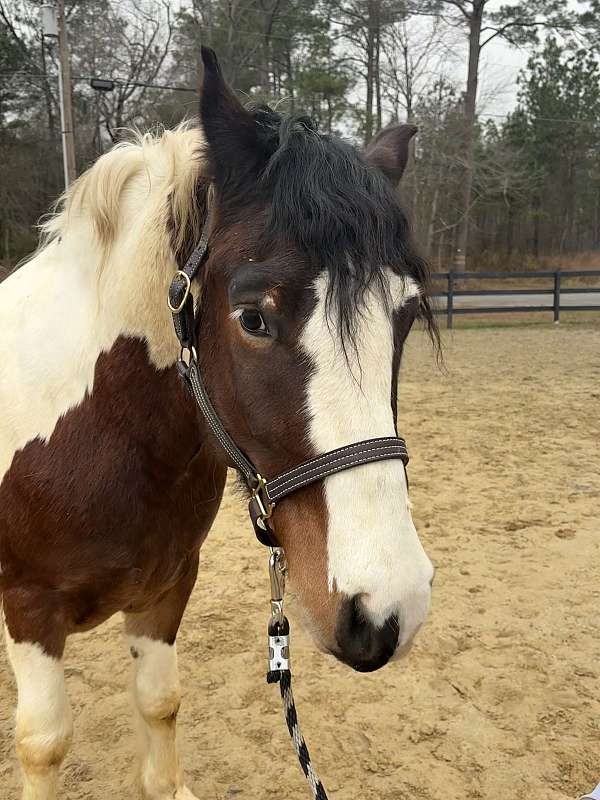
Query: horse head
[[308, 293]]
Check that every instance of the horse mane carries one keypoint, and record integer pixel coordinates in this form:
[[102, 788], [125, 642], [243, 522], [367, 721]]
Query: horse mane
[[326, 198], [168, 159]]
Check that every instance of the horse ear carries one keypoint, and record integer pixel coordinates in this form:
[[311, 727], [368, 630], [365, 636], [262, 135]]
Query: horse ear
[[230, 130], [388, 150]]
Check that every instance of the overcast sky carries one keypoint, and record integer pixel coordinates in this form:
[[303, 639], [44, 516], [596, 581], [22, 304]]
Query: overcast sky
[[500, 66]]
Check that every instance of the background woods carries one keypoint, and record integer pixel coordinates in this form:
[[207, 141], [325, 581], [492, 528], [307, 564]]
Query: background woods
[[498, 189]]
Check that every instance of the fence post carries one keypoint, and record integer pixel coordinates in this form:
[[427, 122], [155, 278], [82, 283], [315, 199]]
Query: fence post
[[557, 296], [450, 300]]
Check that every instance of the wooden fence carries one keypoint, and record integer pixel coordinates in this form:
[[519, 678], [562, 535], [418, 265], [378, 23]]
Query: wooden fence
[[554, 298]]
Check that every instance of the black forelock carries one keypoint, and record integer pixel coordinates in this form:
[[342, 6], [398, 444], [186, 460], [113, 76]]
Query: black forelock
[[342, 213]]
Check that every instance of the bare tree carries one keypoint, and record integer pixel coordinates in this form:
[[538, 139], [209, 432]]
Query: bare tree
[[416, 53], [516, 23], [130, 44], [362, 24]]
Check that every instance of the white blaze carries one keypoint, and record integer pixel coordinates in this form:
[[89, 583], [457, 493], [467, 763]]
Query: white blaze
[[373, 547]]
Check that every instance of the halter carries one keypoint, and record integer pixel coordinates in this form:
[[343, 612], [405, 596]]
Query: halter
[[265, 493]]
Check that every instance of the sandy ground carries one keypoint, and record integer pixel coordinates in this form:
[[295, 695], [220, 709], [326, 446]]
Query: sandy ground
[[501, 697]]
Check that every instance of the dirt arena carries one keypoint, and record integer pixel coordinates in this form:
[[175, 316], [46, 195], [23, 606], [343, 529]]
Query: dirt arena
[[500, 698]]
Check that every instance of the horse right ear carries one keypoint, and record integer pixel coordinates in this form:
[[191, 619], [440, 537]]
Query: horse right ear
[[388, 150], [230, 131]]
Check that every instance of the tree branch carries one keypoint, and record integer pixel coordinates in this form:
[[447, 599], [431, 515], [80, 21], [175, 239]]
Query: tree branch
[[516, 23]]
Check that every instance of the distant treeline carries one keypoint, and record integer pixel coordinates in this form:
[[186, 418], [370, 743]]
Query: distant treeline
[[533, 178]]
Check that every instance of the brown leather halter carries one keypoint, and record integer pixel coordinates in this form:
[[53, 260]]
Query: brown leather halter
[[264, 493]]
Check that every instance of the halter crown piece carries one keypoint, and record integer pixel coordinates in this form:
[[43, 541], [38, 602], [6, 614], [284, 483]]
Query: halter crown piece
[[265, 493]]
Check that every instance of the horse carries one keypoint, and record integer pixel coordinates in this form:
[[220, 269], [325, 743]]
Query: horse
[[109, 477]]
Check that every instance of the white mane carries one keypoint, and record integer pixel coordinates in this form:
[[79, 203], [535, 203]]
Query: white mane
[[168, 163]]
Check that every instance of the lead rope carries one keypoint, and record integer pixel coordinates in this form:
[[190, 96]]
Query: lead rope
[[280, 670]]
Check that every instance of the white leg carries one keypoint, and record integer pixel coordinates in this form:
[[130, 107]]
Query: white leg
[[44, 724], [157, 696]]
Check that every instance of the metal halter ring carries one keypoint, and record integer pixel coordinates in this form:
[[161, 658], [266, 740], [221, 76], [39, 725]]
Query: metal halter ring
[[188, 285]]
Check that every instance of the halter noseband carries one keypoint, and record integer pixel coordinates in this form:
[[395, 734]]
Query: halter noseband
[[264, 493]]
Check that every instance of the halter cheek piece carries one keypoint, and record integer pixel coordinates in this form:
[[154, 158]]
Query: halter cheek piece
[[265, 494]]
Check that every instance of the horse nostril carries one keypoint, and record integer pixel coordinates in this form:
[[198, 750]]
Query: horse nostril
[[362, 645]]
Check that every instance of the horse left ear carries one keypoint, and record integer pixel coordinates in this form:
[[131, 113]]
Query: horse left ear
[[230, 131], [388, 150]]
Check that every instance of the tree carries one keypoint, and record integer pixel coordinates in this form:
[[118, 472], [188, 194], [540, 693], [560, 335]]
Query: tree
[[416, 55], [353, 65], [517, 23], [321, 85], [129, 43], [362, 23], [559, 107]]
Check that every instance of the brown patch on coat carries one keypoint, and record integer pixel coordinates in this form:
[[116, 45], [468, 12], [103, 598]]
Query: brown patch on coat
[[109, 514]]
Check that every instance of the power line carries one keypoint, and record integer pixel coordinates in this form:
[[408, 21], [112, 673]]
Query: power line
[[120, 82], [116, 81]]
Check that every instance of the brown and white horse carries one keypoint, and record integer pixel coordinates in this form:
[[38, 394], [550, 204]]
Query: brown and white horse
[[109, 479]]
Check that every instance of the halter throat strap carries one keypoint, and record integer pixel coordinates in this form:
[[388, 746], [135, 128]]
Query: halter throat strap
[[265, 494]]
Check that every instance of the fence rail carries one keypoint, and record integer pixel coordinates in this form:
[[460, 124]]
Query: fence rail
[[475, 299]]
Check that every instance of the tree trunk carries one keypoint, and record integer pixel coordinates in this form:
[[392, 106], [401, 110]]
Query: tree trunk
[[432, 216], [510, 228], [470, 103], [536, 205], [290, 72], [376, 66], [370, 75], [265, 77], [408, 82], [596, 241]]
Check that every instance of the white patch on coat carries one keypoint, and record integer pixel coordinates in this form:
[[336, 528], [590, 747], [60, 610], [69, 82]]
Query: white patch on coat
[[372, 545], [157, 696], [104, 275], [44, 724]]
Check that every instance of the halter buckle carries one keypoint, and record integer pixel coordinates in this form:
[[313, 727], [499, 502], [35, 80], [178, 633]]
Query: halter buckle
[[265, 508], [188, 285], [187, 355]]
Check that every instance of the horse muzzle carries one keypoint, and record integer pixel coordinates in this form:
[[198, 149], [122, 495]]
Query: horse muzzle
[[361, 644]]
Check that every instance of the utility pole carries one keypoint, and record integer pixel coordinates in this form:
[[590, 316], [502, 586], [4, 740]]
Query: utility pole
[[57, 28], [64, 86]]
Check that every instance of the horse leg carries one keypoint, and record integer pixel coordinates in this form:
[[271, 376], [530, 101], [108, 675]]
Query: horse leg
[[156, 691], [44, 726]]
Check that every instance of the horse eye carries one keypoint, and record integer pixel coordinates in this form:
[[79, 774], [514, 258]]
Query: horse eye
[[252, 321]]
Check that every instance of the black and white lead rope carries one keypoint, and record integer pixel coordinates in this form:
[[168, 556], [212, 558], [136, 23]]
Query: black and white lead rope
[[280, 670], [291, 718]]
